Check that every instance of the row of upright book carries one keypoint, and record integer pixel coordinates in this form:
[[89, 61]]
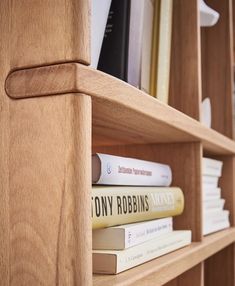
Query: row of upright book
[[133, 210], [132, 40]]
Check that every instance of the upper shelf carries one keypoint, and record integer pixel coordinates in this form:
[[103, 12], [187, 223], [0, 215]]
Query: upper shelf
[[122, 114]]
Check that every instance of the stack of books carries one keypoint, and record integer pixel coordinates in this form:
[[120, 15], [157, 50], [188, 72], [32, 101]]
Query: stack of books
[[132, 217], [214, 216]]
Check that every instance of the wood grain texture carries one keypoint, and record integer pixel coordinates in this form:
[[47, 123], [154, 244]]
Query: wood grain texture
[[49, 31], [4, 149], [217, 67], [192, 277], [185, 76], [163, 269], [185, 162], [220, 268], [135, 117], [50, 149]]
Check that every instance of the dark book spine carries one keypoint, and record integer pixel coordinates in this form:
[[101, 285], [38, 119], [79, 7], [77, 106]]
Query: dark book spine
[[114, 53]]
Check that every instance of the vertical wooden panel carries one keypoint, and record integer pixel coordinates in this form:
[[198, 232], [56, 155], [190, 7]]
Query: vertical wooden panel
[[192, 277], [185, 161], [185, 76], [49, 31], [220, 268], [50, 191], [217, 67], [4, 146]]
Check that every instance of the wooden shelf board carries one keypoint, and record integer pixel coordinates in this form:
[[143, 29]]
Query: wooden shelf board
[[161, 270], [122, 114]]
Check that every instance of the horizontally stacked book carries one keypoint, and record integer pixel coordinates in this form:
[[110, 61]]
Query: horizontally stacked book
[[132, 217], [214, 216]]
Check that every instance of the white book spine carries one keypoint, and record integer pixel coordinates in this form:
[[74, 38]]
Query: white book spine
[[213, 205], [117, 170], [215, 220], [211, 194], [142, 232], [209, 181], [211, 167]]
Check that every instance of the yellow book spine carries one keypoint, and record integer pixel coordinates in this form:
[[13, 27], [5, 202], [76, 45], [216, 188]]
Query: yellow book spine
[[121, 205]]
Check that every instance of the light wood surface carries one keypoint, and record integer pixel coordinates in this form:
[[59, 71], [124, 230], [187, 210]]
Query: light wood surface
[[121, 113], [185, 79], [220, 269], [184, 160], [217, 67], [162, 270], [49, 31], [50, 151]]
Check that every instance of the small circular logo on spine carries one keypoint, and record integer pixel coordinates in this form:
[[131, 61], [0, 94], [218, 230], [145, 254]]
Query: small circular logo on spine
[[109, 168]]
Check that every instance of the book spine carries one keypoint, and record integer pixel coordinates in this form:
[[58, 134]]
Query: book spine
[[114, 52], [142, 253], [121, 205], [146, 231], [211, 167], [117, 170], [211, 194], [214, 205]]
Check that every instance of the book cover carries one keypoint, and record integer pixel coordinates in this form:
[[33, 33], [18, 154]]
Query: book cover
[[114, 52], [116, 170], [213, 205], [113, 262], [99, 16], [147, 45], [211, 167], [128, 235], [164, 50], [121, 205], [209, 181]]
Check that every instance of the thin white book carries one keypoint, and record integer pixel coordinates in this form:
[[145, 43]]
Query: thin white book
[[209, 181], [212, 167], [216, 205], [125, 236], [116, 261], [115, 170], [206, 112], [208, 16], [209, 194], [99, 16], [215, 221]]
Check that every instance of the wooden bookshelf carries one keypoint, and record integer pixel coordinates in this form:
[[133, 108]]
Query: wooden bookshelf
[[55, 111]]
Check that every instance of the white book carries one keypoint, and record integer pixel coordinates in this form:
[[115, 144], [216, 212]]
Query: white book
[[208, 16], [214, 221], [209, 181], [113, 262], [135, 42], [212, 167], [99, 16], [211, 194], [125, 236], [206, 112], [115, 170], [216, 205]]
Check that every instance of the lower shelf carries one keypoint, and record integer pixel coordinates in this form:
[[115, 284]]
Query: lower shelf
[[161, 270]]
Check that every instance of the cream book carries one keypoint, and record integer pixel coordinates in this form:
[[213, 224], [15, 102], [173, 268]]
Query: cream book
[[113, 262], [115, 170], [125, 236], [215, 221], [121, 205], [211, 167]]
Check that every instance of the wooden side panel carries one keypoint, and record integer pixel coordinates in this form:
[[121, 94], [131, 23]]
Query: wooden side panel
[[185, 76], [44, 32], [50, 151], [4, 147], [217, 67], [220, 268], [185, 161], [192, 277]]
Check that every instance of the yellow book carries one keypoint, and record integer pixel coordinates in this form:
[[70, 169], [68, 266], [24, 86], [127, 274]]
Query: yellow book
[[121, 205], [164, 50], [154, 52]]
